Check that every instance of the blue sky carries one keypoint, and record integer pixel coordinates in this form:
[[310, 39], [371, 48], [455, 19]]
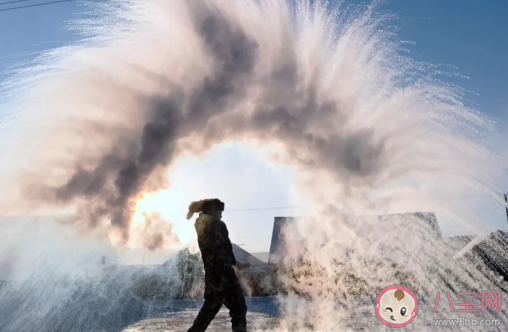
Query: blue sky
[[468, 34], [25, 32]]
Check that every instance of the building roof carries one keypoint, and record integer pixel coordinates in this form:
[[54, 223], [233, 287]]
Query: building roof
[[263, 256], [241, 256], [245, 257]]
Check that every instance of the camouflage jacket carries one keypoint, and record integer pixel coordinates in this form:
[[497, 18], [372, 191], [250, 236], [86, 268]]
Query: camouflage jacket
[[214, 243]]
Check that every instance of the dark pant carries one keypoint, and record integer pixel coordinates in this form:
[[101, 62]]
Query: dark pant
[[222, 287]]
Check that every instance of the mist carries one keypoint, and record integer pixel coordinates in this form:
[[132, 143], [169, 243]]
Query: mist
[[331, 89]]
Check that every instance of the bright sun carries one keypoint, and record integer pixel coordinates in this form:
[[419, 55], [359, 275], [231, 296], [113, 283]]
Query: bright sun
[[222, 173], [172, 205]]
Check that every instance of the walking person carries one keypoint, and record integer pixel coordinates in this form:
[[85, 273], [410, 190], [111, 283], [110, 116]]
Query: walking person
[[221, 283]]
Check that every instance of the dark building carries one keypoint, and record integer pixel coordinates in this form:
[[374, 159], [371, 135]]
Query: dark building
[[277, 245], [491, 248], [278, 250]]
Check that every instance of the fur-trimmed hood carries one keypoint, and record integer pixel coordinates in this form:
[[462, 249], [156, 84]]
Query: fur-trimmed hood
[[203, 205]]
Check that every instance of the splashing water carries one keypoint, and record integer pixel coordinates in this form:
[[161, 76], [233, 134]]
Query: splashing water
[[367, 129]]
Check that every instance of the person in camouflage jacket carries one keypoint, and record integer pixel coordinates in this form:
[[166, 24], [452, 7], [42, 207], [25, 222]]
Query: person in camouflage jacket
[[221, 283]]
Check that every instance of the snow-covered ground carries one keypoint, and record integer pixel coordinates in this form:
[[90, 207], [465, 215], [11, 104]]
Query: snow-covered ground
[[262, 305], [177, 315], [182, 320]]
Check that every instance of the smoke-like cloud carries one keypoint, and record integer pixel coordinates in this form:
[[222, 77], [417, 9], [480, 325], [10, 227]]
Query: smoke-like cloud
[[285, 82], [156, 232], [111, 186], [359, 121], [368, 130]]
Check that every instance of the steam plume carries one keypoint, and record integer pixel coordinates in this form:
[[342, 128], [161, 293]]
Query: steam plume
[[360, 121], [212, 72]]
